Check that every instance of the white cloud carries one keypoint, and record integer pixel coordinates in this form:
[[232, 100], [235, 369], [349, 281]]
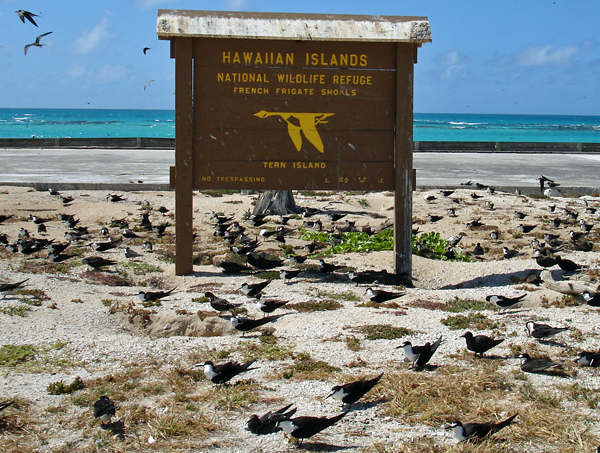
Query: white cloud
[[236, 5], [77, 71], [452, 63], [88, 41], [151, 3], [546, 55]]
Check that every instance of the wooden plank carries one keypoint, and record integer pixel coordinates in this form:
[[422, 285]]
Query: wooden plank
[[221, 53], [263, 114], [246, 146], [184, 140], [376, 176], [406, 55]]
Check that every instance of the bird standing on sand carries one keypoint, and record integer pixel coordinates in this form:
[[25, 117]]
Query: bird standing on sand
[[379, 295], [536, 365], [269, 306], [585, 358], [503, 301], [543, 331], [480, 344], [27, 15], [254, 289], [468, 431], [37, 42], [104, 409], [5, 404], [244, 325], [267, 423], [219, 374], [591, 299], [11, 288], [151, 296], [420, 355], [305, 427], [350, 393], [567, 265], [220, 304]]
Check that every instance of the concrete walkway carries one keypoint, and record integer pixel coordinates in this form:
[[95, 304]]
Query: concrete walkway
[[148, 169]]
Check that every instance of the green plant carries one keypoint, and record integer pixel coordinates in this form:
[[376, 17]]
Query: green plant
[[11, 355], [457, 305], [11, 310], [437, 246], [382, 331], [60, 388], [305, 367], [471, 321], [319, 305]]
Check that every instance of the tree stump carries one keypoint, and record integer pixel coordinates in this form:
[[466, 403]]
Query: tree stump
[[276, 202]]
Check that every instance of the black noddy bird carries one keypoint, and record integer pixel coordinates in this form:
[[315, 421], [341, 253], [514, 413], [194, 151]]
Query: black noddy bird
[[480, 344]]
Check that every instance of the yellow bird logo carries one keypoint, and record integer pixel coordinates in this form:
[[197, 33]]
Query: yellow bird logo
[[301, 123]]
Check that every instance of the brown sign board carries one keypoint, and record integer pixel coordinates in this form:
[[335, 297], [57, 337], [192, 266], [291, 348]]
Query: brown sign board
[[292, 101], [294, 115]]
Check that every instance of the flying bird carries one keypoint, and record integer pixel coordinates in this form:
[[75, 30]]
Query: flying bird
[[147, 84], [37, 42], [468, 431], [145, 49], [27, 15]]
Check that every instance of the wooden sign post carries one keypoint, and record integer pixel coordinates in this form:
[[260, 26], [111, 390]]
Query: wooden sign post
[[290, 102]]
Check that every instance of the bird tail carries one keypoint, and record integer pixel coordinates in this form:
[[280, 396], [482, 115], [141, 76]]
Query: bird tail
[[520, 297], [245, 366], [437, 344], [506, 422]]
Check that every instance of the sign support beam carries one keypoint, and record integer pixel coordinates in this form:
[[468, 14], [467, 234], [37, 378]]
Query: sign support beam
[[184, 130], [405, 56]]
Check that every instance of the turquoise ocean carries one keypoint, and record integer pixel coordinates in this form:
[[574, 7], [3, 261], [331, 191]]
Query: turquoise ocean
[[82, 123]]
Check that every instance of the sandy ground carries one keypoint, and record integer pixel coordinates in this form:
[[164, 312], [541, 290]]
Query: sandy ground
[[83, 324]]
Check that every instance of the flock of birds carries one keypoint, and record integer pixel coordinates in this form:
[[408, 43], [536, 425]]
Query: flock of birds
[[30, 17], [236, 237]]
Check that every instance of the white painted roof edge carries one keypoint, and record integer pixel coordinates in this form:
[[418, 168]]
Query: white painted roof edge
[[308, 27]]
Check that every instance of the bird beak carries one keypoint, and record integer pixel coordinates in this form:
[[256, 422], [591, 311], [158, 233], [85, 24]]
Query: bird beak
[[329, 395]]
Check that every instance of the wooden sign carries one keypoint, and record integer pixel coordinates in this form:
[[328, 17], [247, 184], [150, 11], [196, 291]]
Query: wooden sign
[[294, 115], [293, 101]]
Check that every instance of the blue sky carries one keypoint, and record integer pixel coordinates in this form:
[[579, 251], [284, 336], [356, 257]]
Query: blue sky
[[510, 56]]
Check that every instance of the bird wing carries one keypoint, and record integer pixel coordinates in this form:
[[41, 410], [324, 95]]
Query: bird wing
[[37, 40]]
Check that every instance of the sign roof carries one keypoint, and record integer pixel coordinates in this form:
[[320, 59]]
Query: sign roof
[[285, 26]]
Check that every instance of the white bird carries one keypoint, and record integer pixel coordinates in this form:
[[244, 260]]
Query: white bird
[[148, 84]]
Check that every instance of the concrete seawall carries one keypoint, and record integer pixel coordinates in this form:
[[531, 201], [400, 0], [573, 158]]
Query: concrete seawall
[[419, 146]]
